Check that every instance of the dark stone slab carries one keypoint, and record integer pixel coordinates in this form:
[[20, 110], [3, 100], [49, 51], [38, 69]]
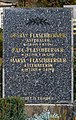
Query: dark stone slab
[[38, 54]]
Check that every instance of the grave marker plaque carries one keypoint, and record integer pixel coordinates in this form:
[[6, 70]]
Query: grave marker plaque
[[38, 55]]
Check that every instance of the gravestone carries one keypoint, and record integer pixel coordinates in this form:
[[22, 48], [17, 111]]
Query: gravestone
[[38, 55]]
